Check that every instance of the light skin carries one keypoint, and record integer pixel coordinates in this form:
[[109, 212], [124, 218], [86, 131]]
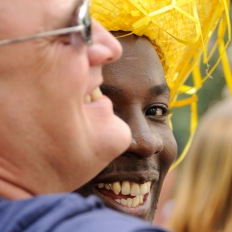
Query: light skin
[[48, 131], [140, 95]]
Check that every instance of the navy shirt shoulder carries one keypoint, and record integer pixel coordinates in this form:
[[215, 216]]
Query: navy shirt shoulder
[[64, 213]]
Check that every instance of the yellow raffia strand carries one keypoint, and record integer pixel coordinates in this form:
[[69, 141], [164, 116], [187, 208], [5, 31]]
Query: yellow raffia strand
[[226, 66], [197, 77], [185, 102], [227, 6], [180, 31], [194, 121]]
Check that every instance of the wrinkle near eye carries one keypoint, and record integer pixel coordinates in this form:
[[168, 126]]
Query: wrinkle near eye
[[65, 39]]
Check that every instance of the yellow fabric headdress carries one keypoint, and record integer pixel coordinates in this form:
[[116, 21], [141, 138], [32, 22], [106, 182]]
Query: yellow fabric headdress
[[180, 31]]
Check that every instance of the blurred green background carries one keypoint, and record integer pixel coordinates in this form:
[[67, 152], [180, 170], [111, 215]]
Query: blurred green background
[[213, 90]]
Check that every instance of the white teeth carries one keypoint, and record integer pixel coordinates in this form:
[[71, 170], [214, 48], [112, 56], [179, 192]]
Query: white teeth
[[125, 188], [118, 200], [128, 188], [108, 186], [87, 99], [129, 202], [140, 199], [116, 187], [135, 190], [123, 202], [135, 201], [148, 185], [143, 189], [95, 95]]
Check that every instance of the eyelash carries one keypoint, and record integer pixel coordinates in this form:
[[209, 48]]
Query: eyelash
[[162, 110]]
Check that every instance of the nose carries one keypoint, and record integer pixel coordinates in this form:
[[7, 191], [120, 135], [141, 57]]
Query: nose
[[105, 49], [145, 140]]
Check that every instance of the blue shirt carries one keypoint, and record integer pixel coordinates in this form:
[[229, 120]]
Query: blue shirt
[[64, 213]]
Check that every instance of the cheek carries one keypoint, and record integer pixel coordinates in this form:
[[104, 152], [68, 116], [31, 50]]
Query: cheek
[[169, 152], [68, 72], [170, 148], [18, 60]]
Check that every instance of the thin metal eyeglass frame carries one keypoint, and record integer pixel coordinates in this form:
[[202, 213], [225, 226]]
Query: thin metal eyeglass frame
[[84, 26]]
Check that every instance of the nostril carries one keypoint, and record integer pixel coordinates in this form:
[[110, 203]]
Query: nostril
[[109, 60]]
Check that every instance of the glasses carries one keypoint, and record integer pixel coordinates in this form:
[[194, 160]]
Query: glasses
[[82, 22]]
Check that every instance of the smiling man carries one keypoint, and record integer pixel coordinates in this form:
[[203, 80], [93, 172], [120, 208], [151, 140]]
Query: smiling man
[[160, 40], [140, 95]]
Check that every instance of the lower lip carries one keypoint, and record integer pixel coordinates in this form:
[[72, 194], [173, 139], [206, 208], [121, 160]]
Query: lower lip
[[139, 210]]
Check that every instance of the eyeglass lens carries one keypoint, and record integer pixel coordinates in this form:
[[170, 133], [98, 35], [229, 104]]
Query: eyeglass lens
[[83, 18]]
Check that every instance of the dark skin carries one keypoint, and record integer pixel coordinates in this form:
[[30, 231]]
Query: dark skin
[[137, 87]]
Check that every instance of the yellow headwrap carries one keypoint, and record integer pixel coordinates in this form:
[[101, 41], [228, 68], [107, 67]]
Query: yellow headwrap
[[180, 31]]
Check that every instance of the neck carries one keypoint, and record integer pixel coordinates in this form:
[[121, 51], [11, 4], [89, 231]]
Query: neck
[[11, 186]]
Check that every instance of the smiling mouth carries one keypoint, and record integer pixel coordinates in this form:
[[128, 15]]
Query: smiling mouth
[[93, 96], [126, 193]]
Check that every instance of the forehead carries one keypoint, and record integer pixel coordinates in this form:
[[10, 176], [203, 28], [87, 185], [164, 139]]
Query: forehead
[[140, 64], [26, 15]]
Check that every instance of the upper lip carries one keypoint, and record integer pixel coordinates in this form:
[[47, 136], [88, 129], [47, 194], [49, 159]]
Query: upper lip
[[96, 81], [133, 176]]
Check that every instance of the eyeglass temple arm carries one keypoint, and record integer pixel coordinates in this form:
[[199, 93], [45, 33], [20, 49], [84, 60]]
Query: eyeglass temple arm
[[62, 31]]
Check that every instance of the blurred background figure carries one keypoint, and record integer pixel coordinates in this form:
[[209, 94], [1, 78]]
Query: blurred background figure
[[204, 197], [165, 202]]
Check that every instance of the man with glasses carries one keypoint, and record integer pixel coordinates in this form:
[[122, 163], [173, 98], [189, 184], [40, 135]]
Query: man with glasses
[[54, 119]]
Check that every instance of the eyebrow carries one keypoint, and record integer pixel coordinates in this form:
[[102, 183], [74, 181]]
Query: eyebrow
[[153, 91], [110, 90], [159, 89]]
